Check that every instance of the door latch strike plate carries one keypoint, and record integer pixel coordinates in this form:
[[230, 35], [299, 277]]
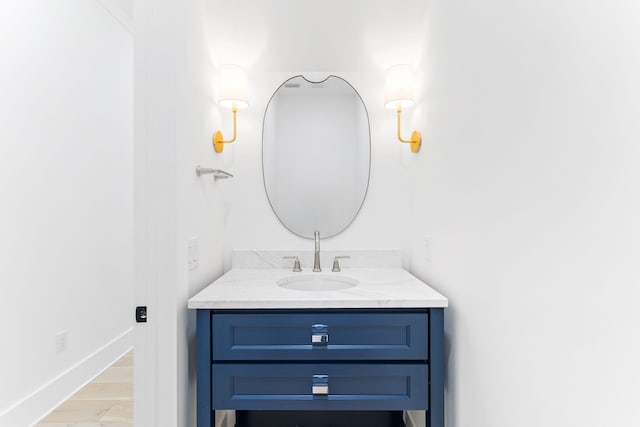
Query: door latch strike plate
[[141, 314]]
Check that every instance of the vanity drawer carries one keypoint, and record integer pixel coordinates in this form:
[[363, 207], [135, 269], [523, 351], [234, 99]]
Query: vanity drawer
[[320, 336], [320, 386]]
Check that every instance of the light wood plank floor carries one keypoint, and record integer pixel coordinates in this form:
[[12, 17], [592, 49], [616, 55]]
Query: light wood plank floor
[[107, 401]]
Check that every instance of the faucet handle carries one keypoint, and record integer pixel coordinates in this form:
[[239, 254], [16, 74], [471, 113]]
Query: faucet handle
[[296, 263], [336, 263]]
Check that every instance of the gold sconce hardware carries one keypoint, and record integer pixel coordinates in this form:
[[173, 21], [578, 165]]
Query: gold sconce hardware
[[218, 139], [234, 95], [399, 94], [416, 137]]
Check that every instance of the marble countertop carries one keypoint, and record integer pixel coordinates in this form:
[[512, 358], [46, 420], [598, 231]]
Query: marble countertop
[[254, 288]]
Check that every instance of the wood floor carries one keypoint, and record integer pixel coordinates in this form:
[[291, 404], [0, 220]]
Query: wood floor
[[107, 401]]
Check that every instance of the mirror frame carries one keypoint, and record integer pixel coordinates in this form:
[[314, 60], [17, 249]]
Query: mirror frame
[[264, 182]]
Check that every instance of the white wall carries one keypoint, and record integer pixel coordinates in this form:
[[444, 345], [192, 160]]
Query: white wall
[[280, 41], [66, 180], [527, 183]]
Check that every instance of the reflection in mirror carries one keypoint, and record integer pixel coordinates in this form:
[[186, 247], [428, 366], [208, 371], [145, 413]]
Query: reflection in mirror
[[316, 154]]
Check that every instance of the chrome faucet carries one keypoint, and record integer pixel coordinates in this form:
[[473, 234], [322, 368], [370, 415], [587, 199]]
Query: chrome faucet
[[316, 256]]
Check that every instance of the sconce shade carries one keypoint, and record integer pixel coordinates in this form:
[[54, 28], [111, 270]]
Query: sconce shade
[[399, 87], [233, 87]]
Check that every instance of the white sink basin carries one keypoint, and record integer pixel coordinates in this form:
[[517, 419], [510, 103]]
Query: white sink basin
[[317, 282]]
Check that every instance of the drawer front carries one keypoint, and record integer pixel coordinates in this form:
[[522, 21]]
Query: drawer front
[[320, 336], [320, 386]]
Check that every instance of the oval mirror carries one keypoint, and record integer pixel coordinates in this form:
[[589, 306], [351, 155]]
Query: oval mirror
[[316, 155]]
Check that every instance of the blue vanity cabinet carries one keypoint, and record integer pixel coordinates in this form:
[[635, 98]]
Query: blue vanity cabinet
[[320, 360]]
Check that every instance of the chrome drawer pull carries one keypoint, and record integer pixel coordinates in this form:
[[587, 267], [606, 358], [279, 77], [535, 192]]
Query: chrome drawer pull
[[320, 385], [319, 334]]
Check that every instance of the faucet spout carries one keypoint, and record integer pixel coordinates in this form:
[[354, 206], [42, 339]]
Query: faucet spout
[[316, 255]]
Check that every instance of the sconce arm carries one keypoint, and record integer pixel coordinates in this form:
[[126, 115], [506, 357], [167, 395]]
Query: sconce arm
[[218, 139], [416, 137], [400, 138]]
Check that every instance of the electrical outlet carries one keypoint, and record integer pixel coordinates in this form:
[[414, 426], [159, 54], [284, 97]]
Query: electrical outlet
[[193, 253], [428, 248], [62, 342]]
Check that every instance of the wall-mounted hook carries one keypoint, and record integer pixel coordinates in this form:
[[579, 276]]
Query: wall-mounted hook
[[217, 173]]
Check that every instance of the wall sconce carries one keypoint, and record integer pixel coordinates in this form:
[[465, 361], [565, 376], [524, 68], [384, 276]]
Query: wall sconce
[[234, 95], [399, 94]]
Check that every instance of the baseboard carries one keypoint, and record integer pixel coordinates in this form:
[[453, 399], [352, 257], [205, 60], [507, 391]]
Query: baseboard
[[34, 407]]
